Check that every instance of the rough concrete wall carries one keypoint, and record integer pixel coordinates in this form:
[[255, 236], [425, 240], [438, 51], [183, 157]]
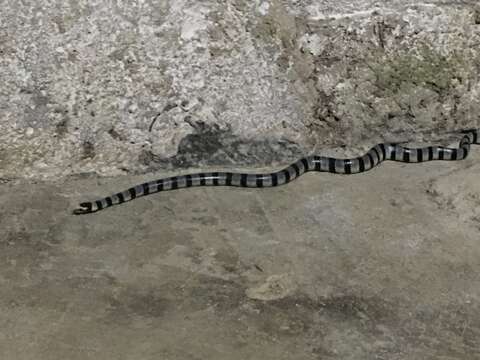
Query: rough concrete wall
[[133, 86]]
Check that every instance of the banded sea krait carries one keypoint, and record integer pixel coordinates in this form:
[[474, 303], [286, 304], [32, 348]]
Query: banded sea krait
[[373, 157]]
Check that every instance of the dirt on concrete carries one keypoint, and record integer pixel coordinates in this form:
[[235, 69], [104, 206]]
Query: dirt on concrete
[[380, 265]]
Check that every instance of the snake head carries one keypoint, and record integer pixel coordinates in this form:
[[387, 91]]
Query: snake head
[[85, 208]]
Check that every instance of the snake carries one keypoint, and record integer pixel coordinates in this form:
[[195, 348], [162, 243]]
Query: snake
[[373, 157]]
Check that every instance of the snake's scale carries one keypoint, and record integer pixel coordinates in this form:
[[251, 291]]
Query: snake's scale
[[372, 158]]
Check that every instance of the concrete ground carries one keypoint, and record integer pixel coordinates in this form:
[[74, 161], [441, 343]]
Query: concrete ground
[[381, 265]]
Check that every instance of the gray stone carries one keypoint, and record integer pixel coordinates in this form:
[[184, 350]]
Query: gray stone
[[135, 86]]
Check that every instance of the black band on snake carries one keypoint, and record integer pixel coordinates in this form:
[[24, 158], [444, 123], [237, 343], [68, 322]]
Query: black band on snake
[[377, 154]]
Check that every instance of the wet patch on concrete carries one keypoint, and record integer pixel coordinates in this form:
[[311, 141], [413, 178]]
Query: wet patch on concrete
[[124, 306]]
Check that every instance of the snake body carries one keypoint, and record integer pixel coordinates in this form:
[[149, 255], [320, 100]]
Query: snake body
[[376, 155]]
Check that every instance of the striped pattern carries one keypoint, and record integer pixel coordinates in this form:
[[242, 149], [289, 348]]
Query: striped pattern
[[372, 158]]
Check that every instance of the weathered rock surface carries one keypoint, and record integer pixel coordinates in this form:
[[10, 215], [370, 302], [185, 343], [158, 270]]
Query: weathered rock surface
[[134, 86]]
